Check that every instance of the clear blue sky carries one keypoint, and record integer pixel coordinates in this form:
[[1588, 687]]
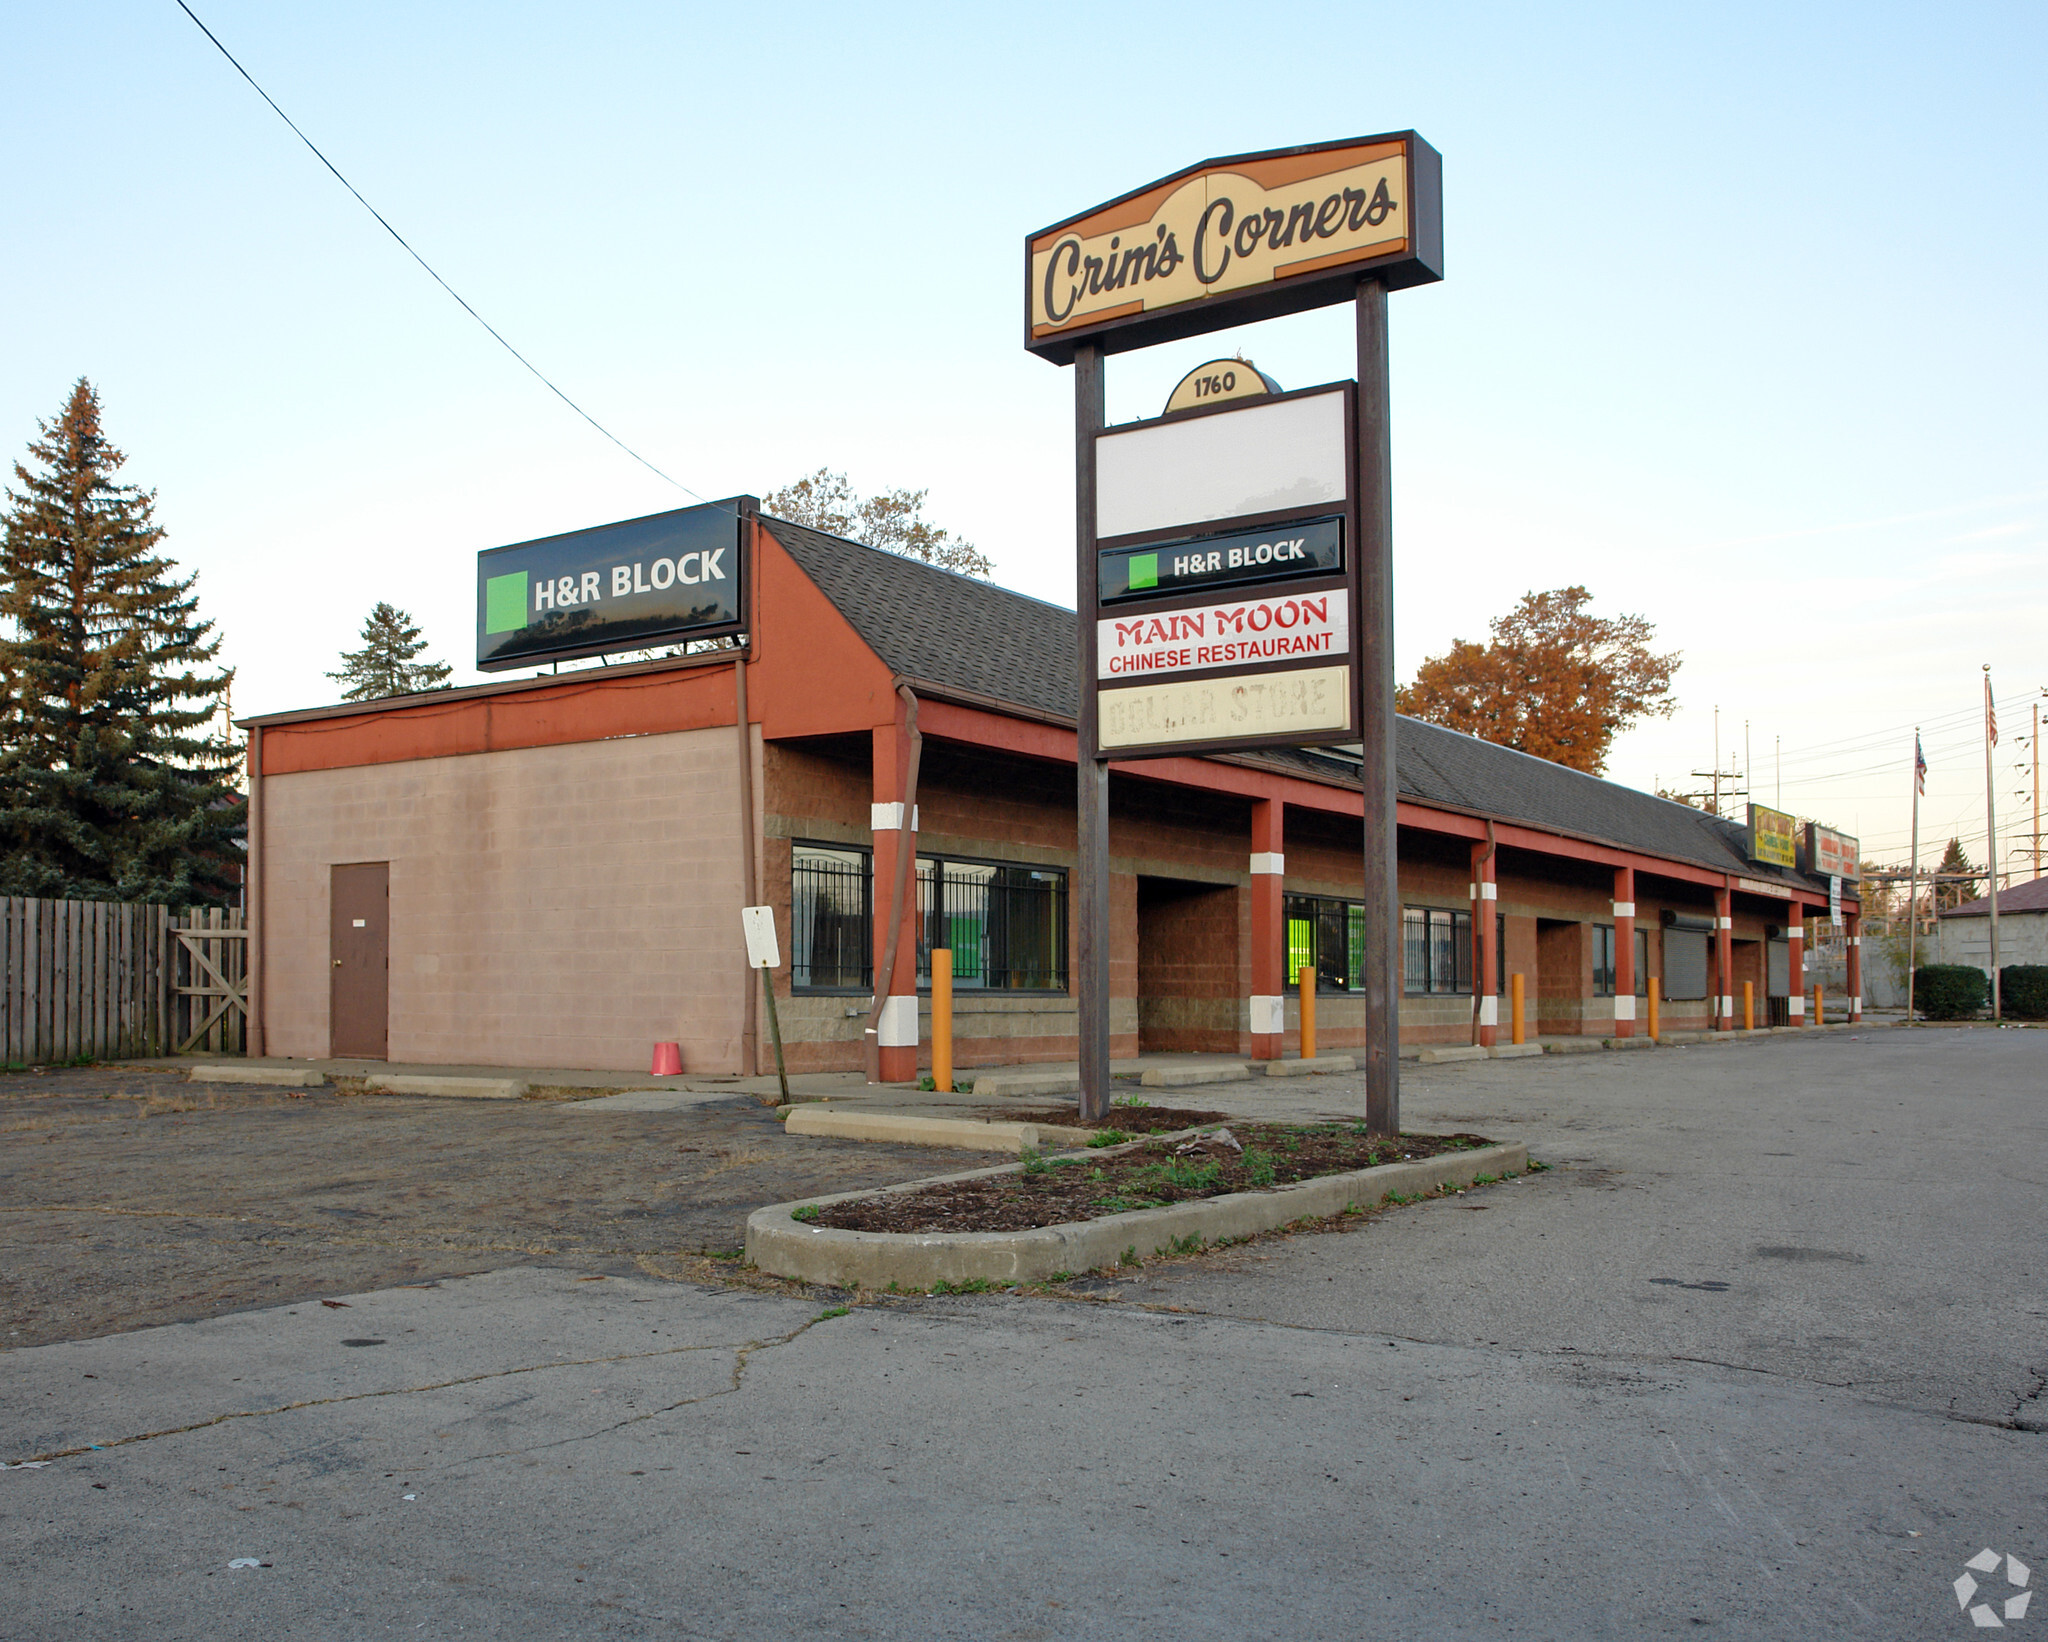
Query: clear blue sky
[[1742, 326]]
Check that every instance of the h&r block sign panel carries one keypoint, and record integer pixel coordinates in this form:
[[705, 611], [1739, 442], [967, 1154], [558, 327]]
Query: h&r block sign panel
[[665, 578]]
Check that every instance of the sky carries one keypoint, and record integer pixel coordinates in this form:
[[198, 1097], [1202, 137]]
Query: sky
[[1741, 325]]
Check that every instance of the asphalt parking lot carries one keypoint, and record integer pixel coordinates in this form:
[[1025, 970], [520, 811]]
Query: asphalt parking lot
[[1762, 1354]]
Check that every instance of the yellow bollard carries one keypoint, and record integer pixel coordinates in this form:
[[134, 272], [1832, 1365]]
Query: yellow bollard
[[942, 1020], [1749, 1006], [1653, 1009], [1515, 1008], [1307, 981], [1819, 1011]]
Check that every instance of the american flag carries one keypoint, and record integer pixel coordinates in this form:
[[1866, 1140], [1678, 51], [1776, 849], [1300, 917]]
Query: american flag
[[1919, 767], [1990, 709]]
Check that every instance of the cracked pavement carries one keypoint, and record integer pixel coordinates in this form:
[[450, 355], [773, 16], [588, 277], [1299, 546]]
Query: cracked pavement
[[1761, 1355]]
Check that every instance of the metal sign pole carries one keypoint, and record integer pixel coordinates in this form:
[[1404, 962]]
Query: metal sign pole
[[1380, 969], [1091, 862]]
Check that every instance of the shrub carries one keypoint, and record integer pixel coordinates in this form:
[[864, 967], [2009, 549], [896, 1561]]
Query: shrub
[[1949, 992], [2023, 991]]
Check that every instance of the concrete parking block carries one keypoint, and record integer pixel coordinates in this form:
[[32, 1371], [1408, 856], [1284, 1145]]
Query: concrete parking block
[[1446, 1053], [462, 1088], [1321, 1066], [1513, 1051], [274, 1077], [1185, 1077], [1063, 1081], [914, 1129]]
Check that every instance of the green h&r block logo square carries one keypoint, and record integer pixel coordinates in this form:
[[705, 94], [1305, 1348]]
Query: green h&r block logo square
[[505, 603], [1144, 571]]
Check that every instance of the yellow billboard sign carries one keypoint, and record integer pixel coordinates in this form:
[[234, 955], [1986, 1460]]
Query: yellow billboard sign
[[1773, 837]]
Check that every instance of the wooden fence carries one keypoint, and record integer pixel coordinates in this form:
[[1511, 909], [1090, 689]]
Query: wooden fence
[[102, 979]]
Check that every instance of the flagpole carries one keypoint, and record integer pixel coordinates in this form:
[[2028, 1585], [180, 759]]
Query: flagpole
[[1913, 899], [1991, 831]]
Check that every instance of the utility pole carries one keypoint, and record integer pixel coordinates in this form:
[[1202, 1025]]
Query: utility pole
[[1991, 831], [1778, 785]]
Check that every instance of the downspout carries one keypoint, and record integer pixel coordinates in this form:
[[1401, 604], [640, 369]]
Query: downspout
[[905, 852], [253, 1041], [1478, 946], [749, 1028]]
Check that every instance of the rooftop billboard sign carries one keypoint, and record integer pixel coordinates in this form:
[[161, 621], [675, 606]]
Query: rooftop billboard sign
[[1773, 837], [664, 579]]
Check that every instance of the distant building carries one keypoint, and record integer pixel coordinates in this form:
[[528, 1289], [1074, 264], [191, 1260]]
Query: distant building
[[1965, 931]]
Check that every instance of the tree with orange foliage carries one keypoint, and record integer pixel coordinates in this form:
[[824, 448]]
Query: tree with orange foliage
[[1556, 681]]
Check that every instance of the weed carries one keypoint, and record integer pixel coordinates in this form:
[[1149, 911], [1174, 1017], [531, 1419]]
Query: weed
[[807, 1213], [1184, 1175], [925, 1082], [1129, 1257], [1108, 1137], [1259, 1167], [836, 1311], [1061, 1277], [1034, 1161], [1189, 1244], [973, 1285], [1536, 1167], [1130, 1100]]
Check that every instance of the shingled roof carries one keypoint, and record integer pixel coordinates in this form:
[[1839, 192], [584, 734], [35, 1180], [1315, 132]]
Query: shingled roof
[[955, 632], [2031, 896]]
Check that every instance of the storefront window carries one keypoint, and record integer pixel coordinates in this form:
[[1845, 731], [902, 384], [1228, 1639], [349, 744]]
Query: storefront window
[[1436, 950], [1327, 936]]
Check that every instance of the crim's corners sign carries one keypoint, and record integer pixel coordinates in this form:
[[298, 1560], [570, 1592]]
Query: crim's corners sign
[[1276, 230]]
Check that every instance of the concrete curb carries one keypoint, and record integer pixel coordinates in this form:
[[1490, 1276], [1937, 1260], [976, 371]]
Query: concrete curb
[[1321, 1066], [462, 1088], [1514, 1051], [911, 1129], [788, 1247], [275, 1077]]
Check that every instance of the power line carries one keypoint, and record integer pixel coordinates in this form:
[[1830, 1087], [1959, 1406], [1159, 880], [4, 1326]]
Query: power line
[[538, 374]]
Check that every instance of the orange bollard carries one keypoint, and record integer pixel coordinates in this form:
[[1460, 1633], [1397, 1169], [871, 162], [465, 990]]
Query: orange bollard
[[1749, 1006], [1515, 1008], [942, 1020], [1653, 1009], [1307, 981], [1819, 1009]]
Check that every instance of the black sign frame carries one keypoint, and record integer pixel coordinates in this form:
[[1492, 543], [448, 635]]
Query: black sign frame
[[573, 552], [1349, 579]]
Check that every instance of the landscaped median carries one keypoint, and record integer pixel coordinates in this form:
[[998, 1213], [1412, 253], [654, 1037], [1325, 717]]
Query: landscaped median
[[800, 1240]]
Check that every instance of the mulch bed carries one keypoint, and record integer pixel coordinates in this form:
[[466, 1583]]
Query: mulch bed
[[1245, 1157]]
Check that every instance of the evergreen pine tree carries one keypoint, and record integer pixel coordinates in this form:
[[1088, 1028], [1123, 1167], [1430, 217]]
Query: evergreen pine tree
[[116, 781], [1954, 860], [385, 665]]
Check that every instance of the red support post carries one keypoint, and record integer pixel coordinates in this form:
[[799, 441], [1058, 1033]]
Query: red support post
[[895, 833], [1795, 962], [1624, 952], [1855, 922], [1486, 943], [1724, 959], [1268, 1024]]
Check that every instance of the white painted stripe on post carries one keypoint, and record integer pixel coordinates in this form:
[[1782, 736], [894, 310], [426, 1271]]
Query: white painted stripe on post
[[1269, 1015], [1489, 892], [889, 817], [897, 1029], [1797, 1004], [1724, 923], [1727, 1005], [1624, 909], [1489, 1010], [1856, 1004], [1625, 1007], [1269, 861], [1855, 940]]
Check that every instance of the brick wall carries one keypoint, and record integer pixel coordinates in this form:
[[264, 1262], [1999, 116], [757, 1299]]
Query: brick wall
[[563, 906]]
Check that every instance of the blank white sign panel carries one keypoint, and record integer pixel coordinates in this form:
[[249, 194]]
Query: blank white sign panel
[[1256, 460]]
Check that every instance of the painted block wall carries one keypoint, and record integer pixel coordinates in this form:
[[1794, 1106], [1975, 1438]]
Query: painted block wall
[[563, 906]]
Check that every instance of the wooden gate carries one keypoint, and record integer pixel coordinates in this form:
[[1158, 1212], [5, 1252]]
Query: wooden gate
[[98, 980]]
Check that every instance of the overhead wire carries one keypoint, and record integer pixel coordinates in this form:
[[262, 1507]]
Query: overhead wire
[[538, 374]]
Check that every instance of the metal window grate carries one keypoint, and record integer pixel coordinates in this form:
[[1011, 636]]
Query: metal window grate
[[1005, 926], [832, 919]]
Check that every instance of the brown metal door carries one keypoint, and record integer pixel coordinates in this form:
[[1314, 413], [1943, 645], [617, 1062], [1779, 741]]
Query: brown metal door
[[359, 942]]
